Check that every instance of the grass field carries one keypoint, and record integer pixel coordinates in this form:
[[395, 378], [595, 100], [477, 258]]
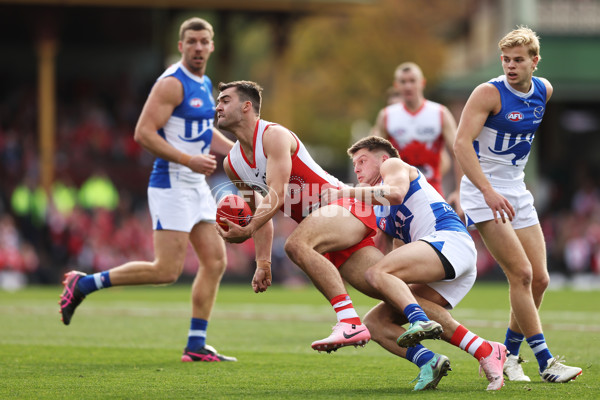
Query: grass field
[[125, 343]]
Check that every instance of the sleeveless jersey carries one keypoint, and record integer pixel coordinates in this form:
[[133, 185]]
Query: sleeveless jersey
[[307, 178], [422, 212], [189, 129], [418, 137], [504, 144]]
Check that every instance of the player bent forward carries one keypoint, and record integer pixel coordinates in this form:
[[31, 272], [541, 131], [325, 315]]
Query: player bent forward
[[272, 161]]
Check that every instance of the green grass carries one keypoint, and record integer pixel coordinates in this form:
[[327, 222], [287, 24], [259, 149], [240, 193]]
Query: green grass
[[125, 343]]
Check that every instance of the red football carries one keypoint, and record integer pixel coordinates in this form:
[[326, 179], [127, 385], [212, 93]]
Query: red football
[[235, 209]]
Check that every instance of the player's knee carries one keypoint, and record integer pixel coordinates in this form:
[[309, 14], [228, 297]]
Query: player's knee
[[166, 278], [165, 275], [539, 285], [218, 265], [522, 277], [373, 277], [293, 249]]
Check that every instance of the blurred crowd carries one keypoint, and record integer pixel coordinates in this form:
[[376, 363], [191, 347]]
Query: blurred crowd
[[94, 217]]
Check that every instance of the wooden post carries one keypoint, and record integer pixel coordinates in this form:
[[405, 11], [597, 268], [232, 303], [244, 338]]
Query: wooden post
[[47, 108]]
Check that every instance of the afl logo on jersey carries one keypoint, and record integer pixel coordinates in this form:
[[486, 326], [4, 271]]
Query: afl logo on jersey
[[514, 116], [382, 224], [196, 102]]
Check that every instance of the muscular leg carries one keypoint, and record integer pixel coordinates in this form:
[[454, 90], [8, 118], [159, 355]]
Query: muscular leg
[[416, 262], [533, 242], [210, 249], [383, 320], [330, 228], [386, 324], [327, 229], [169, 247], [504, 245]]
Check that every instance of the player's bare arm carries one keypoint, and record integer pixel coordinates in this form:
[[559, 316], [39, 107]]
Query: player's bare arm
[[263, 237], [239, 234], [396, 175], [167, 94], [484, 101], [220, 143], [549, 89], [279, 145], [449, 135]]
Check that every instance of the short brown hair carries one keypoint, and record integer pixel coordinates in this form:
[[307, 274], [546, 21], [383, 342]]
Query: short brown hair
[[374, 143], [408, 66], [248, 91], [195, 24]]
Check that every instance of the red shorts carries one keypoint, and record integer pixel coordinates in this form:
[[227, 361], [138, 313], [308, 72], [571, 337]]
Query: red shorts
[[366, 215]]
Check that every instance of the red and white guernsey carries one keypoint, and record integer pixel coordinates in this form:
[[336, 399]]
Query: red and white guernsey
[[307, 178], [418, 137]]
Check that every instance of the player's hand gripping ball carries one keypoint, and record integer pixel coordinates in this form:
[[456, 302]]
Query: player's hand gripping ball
[[233, 208]]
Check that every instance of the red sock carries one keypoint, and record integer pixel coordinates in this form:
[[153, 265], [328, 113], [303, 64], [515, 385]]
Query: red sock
[[471, 343], [344, 309]]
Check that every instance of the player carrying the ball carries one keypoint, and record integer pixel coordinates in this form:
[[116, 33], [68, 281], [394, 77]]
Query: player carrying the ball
[[270, 159]]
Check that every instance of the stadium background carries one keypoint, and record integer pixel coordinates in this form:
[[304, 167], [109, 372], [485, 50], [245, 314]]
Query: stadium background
[[75, 75]]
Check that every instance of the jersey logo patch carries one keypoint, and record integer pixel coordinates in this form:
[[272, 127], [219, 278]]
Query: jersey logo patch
[[196, 102], [538, 112], [514, 116]]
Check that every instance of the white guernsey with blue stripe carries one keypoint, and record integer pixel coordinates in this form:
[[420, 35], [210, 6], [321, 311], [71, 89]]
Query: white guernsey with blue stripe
[[422, 212], [189, 129], [425, 215], [504, 144]]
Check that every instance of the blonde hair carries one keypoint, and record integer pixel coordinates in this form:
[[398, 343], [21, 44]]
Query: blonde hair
[[522, 36]]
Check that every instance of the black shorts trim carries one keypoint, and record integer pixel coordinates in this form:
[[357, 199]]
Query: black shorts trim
[[448, 268]]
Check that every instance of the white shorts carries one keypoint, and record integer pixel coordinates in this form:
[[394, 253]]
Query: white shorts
[[179, 209], [459, 250], [476, 209]]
